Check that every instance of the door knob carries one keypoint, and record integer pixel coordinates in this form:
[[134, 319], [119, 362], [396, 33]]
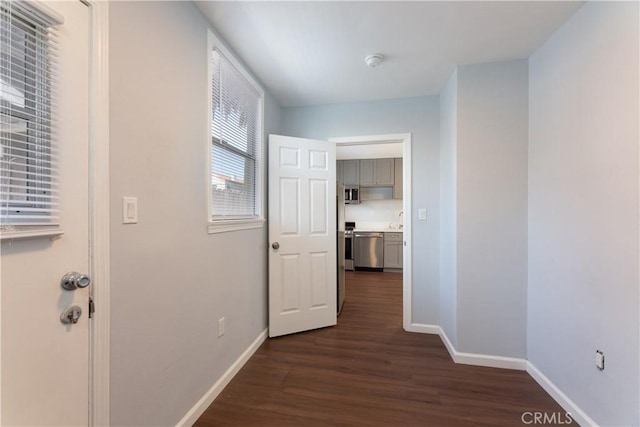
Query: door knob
[[74, 280], [275, 245]]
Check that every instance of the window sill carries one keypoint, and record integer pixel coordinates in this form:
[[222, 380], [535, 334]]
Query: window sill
[[224, 226], [30, 233]]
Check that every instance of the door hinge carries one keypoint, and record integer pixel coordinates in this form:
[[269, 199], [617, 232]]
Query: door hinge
[[92, 308]]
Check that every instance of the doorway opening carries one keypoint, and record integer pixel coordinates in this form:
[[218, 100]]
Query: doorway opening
[[383, 209]]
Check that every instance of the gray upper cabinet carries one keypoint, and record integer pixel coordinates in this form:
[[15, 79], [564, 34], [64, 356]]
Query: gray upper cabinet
[[376, 172], [384, 171], [397, 183], [350, 172], [368, 172], [339, 171]]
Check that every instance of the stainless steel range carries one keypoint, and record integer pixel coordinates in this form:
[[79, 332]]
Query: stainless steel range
[[348, 245]]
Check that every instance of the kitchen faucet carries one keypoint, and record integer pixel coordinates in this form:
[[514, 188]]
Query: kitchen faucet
[[397, 224]]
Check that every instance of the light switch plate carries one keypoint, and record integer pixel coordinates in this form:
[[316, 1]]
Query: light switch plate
[[422, 214], [129, 210]]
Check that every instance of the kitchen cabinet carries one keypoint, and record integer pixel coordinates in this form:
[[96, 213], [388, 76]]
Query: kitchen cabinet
[[384, 171], [368, 172], [339, 171], [376, 172], [397, 182], [349, 171], [393, 250]]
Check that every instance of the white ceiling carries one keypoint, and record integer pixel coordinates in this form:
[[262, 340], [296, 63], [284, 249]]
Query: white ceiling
[[309, 52]]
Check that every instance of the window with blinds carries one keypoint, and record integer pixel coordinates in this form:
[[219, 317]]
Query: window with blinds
[[236, 141], [28, 186]]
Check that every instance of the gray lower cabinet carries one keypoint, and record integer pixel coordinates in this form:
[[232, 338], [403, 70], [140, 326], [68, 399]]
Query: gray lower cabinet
[[393, 250]]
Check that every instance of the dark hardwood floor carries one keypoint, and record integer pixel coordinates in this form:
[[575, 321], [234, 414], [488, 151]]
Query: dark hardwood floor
[[367, 371]]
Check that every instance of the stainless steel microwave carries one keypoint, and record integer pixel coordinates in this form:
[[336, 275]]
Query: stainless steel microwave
[[351, 194]]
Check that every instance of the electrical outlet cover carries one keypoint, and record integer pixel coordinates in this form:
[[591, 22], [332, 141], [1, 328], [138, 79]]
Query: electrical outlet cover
[[221, 325], [599, 360]]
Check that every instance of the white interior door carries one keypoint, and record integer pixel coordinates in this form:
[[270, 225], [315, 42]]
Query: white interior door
[[302, 235], [45, 363]]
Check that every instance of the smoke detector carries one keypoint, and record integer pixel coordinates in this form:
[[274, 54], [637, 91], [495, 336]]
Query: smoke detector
[[374, 59]]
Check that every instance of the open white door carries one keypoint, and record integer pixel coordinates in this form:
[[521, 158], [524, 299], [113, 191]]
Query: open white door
[[302, 235], [45, 363]]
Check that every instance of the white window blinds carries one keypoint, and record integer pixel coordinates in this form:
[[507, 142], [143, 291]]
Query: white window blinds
[[28, 186], [235, 143]]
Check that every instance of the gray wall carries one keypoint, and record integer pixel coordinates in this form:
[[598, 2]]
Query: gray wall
[[170, 280], [448, 209], [491, 174], [418, 116], [483, 194], [583, 210]]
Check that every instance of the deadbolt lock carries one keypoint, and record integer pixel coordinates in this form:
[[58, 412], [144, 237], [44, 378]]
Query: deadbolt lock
[[71, 315]]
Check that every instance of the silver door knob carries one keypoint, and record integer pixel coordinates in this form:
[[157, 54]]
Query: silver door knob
[[74, 280], [275, 245]]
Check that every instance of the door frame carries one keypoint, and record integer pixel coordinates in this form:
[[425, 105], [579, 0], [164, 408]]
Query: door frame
[[405, 140], [99, 332]]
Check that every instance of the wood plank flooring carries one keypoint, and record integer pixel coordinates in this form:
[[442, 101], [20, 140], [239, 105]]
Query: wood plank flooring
[[367, 371]]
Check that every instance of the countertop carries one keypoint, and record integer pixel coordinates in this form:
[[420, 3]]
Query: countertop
[[378, 230], [378, 227]]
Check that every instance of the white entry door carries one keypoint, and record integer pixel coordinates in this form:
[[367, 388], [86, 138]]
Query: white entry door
[[302, 235], [45, 363]]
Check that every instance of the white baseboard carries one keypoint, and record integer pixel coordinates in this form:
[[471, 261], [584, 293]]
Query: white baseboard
[[450, 348], [482, 359], [198, 409], [423, 328], [508, 363], [563, 400], [490, 361], [470, 358]]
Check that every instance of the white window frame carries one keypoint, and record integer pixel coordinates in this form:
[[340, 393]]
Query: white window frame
[[226, 225]]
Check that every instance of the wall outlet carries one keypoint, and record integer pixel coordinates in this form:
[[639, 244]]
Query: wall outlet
[[220, 327], [600, 360]]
